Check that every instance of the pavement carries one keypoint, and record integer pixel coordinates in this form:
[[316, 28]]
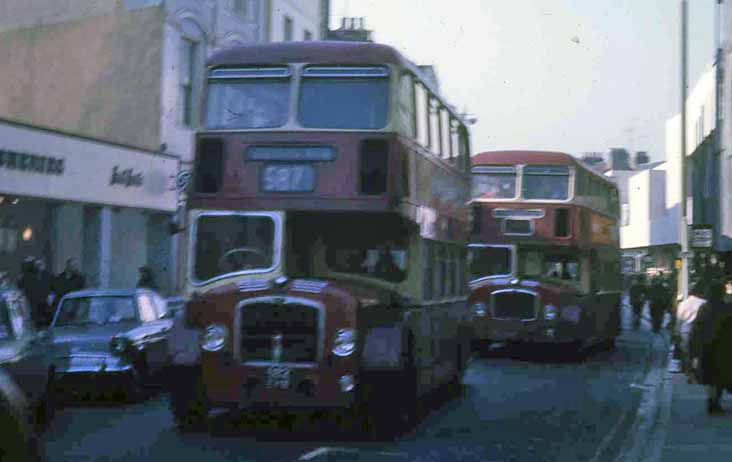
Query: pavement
[[672, 424]]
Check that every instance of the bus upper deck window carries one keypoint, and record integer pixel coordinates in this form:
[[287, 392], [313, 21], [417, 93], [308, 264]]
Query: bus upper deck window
[[546, 182], [344, 97], [209, 165]]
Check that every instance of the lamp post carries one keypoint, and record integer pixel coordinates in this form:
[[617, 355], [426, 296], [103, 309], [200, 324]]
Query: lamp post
[[683, 225]]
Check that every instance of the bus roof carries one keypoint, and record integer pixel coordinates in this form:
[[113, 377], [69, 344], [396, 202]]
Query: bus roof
[[318, 52], [513, 157], [326, 52]]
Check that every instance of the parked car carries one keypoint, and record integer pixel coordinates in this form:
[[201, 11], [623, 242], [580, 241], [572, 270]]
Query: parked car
[[19, 443], [119, 335], [26, 355]]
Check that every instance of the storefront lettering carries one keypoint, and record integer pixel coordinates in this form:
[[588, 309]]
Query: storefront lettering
[[126, 178], [23, 161]]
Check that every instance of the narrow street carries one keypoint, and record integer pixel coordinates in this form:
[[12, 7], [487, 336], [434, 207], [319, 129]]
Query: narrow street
[[517, 406]]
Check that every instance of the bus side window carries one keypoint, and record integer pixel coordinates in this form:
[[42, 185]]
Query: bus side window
[[407, 103], [422, 115], [428, 259], [445, 134], [435, 144]]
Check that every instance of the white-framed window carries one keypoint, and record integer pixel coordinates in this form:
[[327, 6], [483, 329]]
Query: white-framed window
[[188, 60], [624, 214], [240, 7], [288, 29]]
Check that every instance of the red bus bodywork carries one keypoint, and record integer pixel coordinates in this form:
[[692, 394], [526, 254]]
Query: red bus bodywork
[[585, 310]]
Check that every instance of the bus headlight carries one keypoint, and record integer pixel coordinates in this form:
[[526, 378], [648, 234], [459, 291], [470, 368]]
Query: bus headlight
[[214, 337], [571, 313], [344, 343], [550, 312], [119, 345], [479, 309]]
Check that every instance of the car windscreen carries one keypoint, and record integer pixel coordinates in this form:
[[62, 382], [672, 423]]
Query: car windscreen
[[344, 97], [489, 261], [548, 182], [247, 98], [232, 243], [97, 310]]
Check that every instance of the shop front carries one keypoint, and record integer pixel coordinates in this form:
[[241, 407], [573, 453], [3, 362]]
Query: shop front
[[106, 206]]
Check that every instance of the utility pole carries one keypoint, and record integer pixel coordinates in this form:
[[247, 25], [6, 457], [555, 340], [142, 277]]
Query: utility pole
[[683, 225]]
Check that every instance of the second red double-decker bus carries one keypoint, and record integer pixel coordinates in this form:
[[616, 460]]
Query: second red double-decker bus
[[544, 256], [327, 226]]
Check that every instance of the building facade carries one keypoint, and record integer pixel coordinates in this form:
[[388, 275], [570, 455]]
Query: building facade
[[125, 73], [106, 206]]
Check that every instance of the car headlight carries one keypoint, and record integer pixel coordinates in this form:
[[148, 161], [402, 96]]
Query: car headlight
[[344, 343], [571, 313], [550, 312], [479, 309], [119, 345], [214, 337]]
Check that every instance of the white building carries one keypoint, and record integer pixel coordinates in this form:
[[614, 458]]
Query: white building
[[651, 226]]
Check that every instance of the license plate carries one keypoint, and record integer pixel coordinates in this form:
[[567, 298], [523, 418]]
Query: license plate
[[505, 334], [278, 377]]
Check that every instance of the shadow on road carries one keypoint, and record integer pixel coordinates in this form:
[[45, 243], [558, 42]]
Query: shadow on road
[[544, 353]]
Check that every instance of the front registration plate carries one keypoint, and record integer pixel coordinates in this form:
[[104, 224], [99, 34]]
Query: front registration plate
[[505, 334], [278, 377]]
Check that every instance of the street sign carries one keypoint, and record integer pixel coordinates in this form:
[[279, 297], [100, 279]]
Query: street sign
[[701, 236]]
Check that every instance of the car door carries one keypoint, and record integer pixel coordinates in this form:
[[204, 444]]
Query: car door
[[27, 353], [156, 327]]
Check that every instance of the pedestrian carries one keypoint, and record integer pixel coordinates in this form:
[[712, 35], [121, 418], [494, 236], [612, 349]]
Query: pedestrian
[[638, 299], [710, 346], [69, 280], [728, 291], [658, 300], [44, 297], [28, 283], [686, 313], [146, 278], [673, 298]]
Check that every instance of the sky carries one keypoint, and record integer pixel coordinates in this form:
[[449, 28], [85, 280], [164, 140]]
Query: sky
[[566, 75]]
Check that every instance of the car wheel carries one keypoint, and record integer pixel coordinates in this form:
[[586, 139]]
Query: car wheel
[[188, 401]]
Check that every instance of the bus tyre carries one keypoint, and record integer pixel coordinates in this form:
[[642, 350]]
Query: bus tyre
[[188, 401]]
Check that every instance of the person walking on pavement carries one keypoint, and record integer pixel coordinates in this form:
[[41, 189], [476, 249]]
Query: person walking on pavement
[[146, 278], [658, 300], [710, 344], [28, 283], [686, 313], [69, 280], [45, 286], [638, 299]]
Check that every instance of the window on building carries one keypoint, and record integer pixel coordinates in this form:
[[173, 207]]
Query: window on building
[[288, 29], [435, 143], [422, 115], [407, 105], [625, 215], [307, 35], [189, 55], [241, 7]]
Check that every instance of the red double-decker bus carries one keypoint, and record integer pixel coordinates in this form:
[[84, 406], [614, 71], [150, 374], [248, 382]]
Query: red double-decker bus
[[544, 253], [327, 230]]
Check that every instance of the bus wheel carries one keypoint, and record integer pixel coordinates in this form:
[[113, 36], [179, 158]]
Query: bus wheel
[[188, 401]]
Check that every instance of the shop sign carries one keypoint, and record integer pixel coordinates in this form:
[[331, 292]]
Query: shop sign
[[127, 178], [23, 161], [702, 236]]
